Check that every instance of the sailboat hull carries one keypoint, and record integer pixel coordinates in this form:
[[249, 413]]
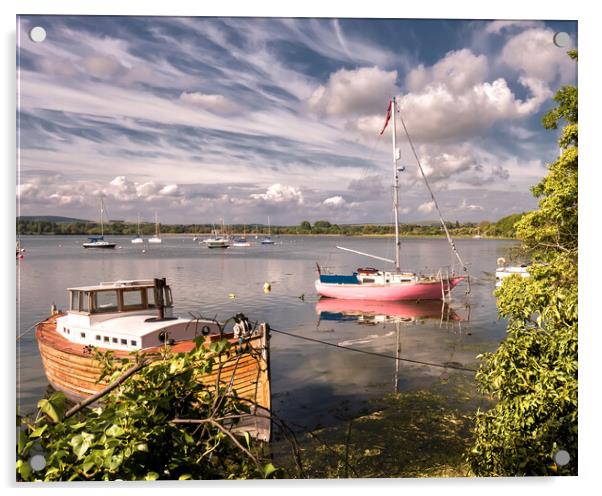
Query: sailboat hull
[[97, 246], [419, 290]]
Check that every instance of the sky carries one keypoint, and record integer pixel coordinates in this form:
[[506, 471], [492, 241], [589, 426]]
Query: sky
[[201, 119]]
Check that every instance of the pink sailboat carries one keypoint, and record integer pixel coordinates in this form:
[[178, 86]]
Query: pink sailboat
[[396, 285]]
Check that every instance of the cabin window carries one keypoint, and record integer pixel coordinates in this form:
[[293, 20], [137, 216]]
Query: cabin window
[[84, 301], [98, 337], [124, 341], [365, 279], [150, 296], [132, 299], [105, 301], [106, 339], [82, 334], [115, 340], [168, 298], [133, 342], [74, 301]]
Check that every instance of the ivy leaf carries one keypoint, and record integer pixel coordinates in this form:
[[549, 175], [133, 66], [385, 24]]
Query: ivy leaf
[[269, 470], [38, 432], [114, 431], [151, 476], [81, 443]]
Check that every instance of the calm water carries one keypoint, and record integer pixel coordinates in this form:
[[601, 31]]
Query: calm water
[[309, 380]]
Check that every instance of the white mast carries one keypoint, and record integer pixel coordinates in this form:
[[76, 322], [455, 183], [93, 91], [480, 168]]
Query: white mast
[[395, 188], [101, 212]]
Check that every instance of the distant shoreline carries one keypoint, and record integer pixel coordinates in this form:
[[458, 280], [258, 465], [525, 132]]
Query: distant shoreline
[[308, 235]]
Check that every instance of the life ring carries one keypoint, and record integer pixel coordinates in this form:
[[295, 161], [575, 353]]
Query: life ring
[[501, 262]]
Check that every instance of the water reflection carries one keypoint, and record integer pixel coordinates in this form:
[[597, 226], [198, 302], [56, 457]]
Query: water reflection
[[367, 312]]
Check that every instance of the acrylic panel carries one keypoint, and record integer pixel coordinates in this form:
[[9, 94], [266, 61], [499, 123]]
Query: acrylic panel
[[295, 248]]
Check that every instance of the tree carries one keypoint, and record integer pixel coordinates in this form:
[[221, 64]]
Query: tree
[[533, 374], [305, 226]]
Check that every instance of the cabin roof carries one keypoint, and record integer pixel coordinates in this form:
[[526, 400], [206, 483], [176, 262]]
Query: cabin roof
[[142, 283], [135, 325]]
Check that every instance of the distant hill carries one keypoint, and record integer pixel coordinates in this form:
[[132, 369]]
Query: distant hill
[[49, 218]]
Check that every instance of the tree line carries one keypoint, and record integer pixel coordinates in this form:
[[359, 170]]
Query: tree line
[[502, 228]]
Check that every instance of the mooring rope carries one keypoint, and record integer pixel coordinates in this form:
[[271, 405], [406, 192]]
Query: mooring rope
[[374, 353]]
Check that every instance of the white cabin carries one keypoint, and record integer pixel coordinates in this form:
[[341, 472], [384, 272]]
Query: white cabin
[[124, 315]]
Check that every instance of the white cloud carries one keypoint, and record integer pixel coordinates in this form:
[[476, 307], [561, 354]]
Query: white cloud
[[335, 202], [213, 103], [457, 71], [280, 193], [170, 190], [465, 206], [452, 100], [438, 112], [426, 208], [534, 54], [354, 92]]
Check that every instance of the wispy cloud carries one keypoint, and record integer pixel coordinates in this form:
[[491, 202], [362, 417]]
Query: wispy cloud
[[249, 115]]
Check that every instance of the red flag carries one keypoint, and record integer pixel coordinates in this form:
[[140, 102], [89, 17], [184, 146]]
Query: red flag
[[387, 119]]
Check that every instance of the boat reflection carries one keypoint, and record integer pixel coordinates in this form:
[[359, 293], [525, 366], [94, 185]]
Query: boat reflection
[[368, 312]]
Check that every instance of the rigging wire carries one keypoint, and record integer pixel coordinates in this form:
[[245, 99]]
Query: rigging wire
[[448, 235]]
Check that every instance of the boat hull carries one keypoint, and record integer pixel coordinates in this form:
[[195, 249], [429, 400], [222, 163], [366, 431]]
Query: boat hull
[[75, 372], [421, 290], [96, 246]]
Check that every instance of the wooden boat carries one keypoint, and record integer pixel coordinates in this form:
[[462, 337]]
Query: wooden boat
[[126, 316]]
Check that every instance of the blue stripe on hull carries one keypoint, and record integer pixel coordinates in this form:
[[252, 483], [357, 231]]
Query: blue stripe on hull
[[336, 279]]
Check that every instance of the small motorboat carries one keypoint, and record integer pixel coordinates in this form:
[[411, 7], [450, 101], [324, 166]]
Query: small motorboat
[[502, 271]]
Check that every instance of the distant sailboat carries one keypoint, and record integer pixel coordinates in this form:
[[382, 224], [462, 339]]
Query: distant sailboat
[[138, 239], [156, 238], [217, 240], [99, 241], [267, 240], [382, 285], [242, 241]]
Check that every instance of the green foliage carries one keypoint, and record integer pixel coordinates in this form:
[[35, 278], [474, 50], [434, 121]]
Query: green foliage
[[137, 432], [533, 374]]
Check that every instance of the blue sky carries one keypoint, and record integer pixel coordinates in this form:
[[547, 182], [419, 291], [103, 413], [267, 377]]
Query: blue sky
[[241, 118]]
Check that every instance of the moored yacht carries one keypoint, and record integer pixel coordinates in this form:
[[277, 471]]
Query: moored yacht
[[391, 285], [99, 241], [138, 239], [156, 238]]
